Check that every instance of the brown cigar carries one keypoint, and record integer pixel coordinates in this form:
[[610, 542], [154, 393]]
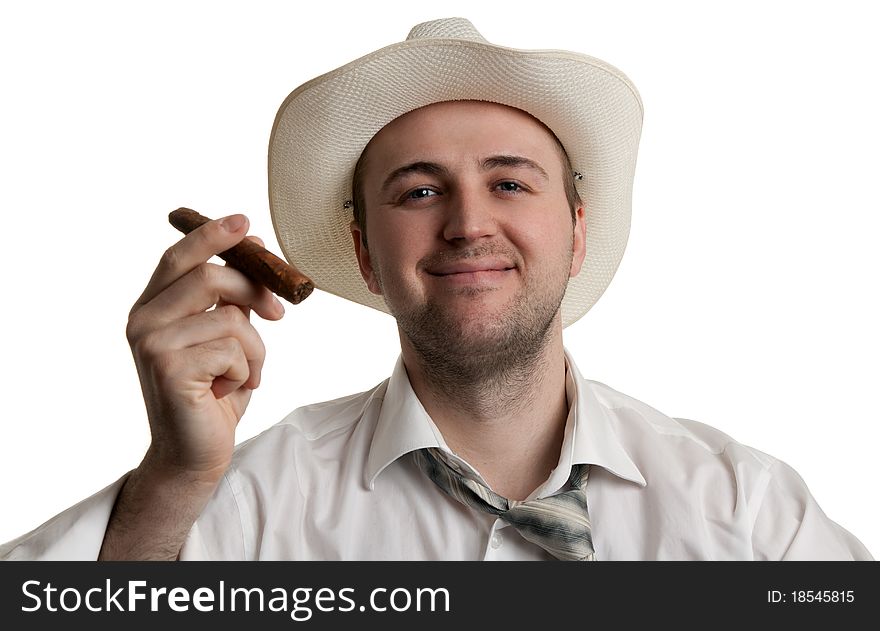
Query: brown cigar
[[255, 262]]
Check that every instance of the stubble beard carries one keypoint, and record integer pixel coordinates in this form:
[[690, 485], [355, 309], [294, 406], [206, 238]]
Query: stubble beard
[[477, 362]]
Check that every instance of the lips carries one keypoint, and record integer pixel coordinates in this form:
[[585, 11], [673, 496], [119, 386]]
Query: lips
[[471, 267]]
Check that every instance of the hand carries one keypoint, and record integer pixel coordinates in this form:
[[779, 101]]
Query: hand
[[198, 366]]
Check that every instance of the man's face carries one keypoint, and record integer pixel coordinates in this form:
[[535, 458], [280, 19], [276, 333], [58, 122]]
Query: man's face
[[470, 236]]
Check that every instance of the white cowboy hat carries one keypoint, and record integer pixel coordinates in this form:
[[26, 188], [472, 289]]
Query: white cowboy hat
[[323, 126]]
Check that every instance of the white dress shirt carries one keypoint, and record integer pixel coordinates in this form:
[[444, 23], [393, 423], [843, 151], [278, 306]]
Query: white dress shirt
[[335, 481]]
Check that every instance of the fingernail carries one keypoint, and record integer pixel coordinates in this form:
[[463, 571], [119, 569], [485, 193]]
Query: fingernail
[[279, 306], [232, 223]]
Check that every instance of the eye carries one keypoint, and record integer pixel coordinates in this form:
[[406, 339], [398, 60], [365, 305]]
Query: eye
[[420, 193], [509, 187]]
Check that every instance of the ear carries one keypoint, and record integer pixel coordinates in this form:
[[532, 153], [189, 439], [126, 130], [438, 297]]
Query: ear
[[363, 257], [579, 241]]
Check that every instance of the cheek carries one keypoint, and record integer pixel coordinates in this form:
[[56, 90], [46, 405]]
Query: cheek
[[403, 233], [546, 239], [396, 249], [548, 263]]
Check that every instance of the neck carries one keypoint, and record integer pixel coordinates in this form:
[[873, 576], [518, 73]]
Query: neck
[[505, 416]]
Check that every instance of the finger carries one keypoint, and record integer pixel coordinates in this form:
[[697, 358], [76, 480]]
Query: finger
[[256, 240], [264, 296], [204, 287], [220, 323], [219, 366], [237, 372], [219, 363], [191, 251], [223, 387], [244, 308]]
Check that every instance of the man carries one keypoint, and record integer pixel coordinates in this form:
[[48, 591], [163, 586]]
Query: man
[[491, 194]]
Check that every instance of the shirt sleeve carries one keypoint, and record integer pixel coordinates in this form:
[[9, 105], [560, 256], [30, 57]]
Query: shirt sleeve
[[790, 525], [77, 534], [73, 535], [218, 533]]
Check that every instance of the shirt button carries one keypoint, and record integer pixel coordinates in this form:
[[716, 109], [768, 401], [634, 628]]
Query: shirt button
[[496, 540]]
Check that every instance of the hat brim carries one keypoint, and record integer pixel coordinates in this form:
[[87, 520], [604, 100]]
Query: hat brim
[[323, 126]]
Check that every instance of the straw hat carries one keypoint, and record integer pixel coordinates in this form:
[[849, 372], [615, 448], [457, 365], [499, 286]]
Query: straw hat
[[323, 126]]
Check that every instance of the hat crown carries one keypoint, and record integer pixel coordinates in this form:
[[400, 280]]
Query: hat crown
[[447, 28]]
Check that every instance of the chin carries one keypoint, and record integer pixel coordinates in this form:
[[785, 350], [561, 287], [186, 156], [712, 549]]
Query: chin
[[482, 324], [481, 335]]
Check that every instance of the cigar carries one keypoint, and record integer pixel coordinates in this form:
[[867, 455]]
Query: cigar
[[255, 262]]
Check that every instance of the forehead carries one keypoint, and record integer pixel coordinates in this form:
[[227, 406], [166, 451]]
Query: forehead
[[454, 130]]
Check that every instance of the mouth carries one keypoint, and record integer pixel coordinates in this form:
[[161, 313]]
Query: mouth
[[471, 267], [479, 272]]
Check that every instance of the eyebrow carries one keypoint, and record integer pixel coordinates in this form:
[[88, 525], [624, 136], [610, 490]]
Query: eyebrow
[[517, 162], [428, 168], [492, 162]]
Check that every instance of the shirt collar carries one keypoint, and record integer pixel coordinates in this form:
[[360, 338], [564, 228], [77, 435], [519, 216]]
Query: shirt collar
[[404, 426], [594, 440]]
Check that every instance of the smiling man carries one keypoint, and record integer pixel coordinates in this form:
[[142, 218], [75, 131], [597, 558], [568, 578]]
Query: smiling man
[[490, 190], [471, 243]]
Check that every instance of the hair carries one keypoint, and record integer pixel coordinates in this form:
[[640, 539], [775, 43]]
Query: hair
[[359, 207]]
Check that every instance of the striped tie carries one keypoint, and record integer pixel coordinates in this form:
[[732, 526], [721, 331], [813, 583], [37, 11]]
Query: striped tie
[[560, 523]]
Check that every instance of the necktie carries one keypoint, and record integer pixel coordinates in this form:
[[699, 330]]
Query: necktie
[[560, 523]]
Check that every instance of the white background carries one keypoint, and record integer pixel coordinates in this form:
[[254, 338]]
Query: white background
[[747, 298]]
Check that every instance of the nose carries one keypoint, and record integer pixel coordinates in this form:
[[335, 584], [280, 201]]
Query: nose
[[468, 217]]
